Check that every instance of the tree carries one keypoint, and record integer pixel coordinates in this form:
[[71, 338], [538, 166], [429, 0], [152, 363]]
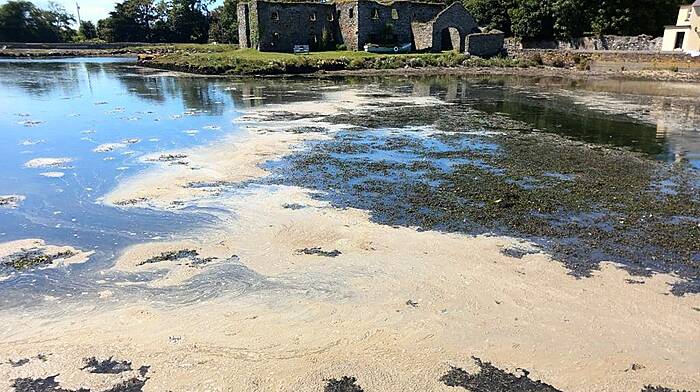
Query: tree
[[131, 21], [87, 30], [491, 14], [532, 19], [572, 18], [21, 21], [189, 20], [223, 23]]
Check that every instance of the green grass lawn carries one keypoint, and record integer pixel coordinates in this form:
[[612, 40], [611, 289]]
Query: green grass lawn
[[228, 59]]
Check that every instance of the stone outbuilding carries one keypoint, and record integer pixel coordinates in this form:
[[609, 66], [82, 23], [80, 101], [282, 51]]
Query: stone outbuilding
[[279, 26]]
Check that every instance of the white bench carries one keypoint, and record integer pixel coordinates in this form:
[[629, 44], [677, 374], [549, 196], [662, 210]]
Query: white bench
[[301, 49]]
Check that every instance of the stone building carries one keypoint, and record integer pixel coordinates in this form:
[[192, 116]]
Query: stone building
[[279, 26]]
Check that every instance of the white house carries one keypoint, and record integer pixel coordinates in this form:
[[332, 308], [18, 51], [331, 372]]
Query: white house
[[685, 35]]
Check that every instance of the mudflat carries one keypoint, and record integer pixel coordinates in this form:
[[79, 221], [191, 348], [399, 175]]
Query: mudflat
[[428, 234]]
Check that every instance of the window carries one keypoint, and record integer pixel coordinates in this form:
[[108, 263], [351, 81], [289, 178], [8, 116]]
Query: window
[[331, 16], [275, 15], [312, 17], [314, 39], [275, 38], [690, 12], [394, 13], [351, 12], [375, 13]]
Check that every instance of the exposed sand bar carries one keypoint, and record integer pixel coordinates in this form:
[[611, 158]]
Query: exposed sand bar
[[395, 308]]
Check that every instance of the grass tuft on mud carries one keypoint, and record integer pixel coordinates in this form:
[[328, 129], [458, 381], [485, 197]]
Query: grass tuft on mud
[[234, 61]]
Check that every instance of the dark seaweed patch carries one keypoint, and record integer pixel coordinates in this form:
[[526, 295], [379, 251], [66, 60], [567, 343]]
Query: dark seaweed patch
[[493, 379], [19, 362], [47, 384], [31, 258], [344, 384], [491, 174], [320, 252], [106, 366], [658, 388], [171, 256]]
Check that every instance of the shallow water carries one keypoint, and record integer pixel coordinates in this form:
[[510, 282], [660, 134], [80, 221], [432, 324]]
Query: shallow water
[[106, 114]]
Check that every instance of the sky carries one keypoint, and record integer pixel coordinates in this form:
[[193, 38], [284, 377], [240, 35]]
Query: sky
[[93, 10]]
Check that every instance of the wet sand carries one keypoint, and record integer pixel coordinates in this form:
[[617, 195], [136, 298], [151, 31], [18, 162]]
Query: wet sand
[[343, 296]]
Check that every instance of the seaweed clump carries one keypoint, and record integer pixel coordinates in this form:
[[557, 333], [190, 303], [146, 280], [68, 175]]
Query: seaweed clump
[[343, 384], [32, 258], [486, 173], [320, 252], [493, 379]]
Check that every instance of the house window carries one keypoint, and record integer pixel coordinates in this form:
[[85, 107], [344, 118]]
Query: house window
[[394, 13], [375, 13], [690, 12], [331, 16], [680, 37], [275, 15], [275, 38], [351, 12]]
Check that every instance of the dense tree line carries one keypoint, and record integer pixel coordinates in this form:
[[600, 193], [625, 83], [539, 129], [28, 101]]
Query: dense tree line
[[21, 21], [547, 19], [193, 21], [131, 21]]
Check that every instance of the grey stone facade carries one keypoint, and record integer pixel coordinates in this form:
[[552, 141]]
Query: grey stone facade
[[485, 44], [278, 26]]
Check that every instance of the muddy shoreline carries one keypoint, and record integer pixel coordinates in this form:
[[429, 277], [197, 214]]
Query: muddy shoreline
[[534, 71]]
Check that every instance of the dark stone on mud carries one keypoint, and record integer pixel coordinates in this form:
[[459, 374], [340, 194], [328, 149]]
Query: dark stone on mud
[[344, 384], [106, 366], [294, 206], [412, 303], [320, 252], [18, 363], [493, 379], [634, 281], [517, 252], [31, 258]]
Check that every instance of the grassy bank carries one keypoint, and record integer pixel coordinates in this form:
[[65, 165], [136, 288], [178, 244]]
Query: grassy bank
[[229, 60]]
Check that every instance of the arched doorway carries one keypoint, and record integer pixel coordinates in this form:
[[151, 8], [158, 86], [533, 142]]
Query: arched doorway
[[450, 39]]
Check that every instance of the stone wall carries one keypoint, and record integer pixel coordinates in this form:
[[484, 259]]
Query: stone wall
[[484, 44], [283, 25], [454, 17], [347, 21], [606, 42], [278, 26], [243, 28], [377, 26]]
